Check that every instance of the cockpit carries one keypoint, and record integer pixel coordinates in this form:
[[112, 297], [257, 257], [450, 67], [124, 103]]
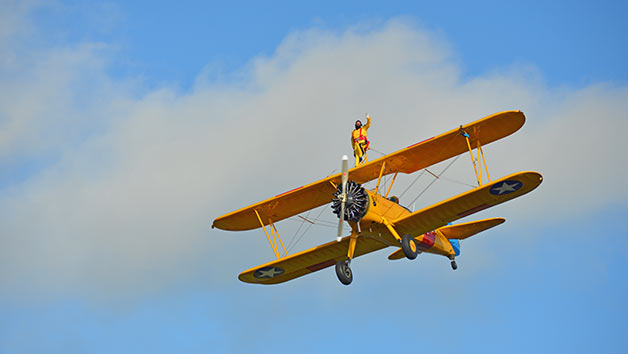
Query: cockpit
[[395, 200]]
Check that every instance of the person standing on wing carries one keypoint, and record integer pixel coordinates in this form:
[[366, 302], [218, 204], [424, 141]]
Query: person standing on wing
[[359, 142]]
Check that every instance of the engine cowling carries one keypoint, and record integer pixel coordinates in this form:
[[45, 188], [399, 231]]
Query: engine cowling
[[357, 202]]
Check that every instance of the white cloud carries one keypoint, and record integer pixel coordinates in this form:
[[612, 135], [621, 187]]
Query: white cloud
[[128, 205]]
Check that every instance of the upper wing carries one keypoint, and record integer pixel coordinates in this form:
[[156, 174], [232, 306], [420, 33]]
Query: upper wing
[[442, 147], [408, 160], [281, 206], [308, 261], [468, 203]]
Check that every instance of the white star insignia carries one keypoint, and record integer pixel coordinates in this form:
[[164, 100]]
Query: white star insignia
[[505, 188], [270, 273]]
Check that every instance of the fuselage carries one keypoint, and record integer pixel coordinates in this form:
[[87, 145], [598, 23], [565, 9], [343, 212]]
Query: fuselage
[[381, 210]]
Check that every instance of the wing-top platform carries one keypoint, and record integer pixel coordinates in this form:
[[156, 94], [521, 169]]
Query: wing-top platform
[[408, 160]]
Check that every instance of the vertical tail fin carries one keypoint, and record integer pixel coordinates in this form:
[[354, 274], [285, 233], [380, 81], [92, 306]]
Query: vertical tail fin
[[455, 244]]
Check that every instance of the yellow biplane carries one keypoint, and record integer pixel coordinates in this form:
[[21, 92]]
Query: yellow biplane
[[378, 221]]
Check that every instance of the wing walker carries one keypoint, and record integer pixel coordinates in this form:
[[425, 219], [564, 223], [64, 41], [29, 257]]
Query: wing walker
[[378, 221]]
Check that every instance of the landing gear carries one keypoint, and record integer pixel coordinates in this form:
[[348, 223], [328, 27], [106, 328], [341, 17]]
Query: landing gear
[[454, 266], [343, 271], [408, 245]]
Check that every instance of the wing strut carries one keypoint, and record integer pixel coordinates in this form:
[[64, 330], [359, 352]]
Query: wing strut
[[483, 160], [273, 242], [391, 183], [379, 179], [275, 232], [480, 152]]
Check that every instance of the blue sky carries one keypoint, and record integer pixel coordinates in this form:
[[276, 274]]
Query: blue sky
[[127, 128], [571, 42]]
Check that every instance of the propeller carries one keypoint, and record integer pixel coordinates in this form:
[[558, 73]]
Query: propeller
[[343, 196]]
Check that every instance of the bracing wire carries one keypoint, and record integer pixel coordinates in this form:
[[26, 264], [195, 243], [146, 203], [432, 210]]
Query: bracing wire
[[458, 182], [412, 184], [435, 179], [300, 227], [379, 152], [317, 222], [305, 231]]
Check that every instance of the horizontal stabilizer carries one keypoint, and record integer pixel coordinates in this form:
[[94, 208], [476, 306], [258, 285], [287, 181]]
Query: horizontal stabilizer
[[398, 254], [468, 229], [459, 232]]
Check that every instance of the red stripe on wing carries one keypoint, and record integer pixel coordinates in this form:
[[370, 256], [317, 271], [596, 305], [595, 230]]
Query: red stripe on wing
[[473, 210], [292, 190], [420, 142], [322, 265]]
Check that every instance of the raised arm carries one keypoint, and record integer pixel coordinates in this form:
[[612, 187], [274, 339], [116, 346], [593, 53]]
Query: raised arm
[[368, 122]]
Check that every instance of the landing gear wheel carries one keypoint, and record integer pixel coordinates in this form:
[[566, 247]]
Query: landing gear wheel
[[343, 271], [454, 266], [408, 245]]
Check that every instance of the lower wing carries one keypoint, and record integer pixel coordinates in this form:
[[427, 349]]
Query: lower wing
[[465, 204], [308, 261], [417, 223]]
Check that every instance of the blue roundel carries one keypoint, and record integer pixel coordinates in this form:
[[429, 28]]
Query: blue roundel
[[268, 272], [506, 187]]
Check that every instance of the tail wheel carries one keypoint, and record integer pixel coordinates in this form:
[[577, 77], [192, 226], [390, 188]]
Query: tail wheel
[[343, 271], [454, 266], [409, 247]]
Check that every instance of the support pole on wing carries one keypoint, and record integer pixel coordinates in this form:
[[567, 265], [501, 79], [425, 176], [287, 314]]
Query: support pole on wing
[[275, 232], [391, 184], [268, 236], [475, 168], [379, 179], [483, 160]]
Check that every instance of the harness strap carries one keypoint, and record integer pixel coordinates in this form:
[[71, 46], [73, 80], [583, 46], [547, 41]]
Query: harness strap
[[360, 138]]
